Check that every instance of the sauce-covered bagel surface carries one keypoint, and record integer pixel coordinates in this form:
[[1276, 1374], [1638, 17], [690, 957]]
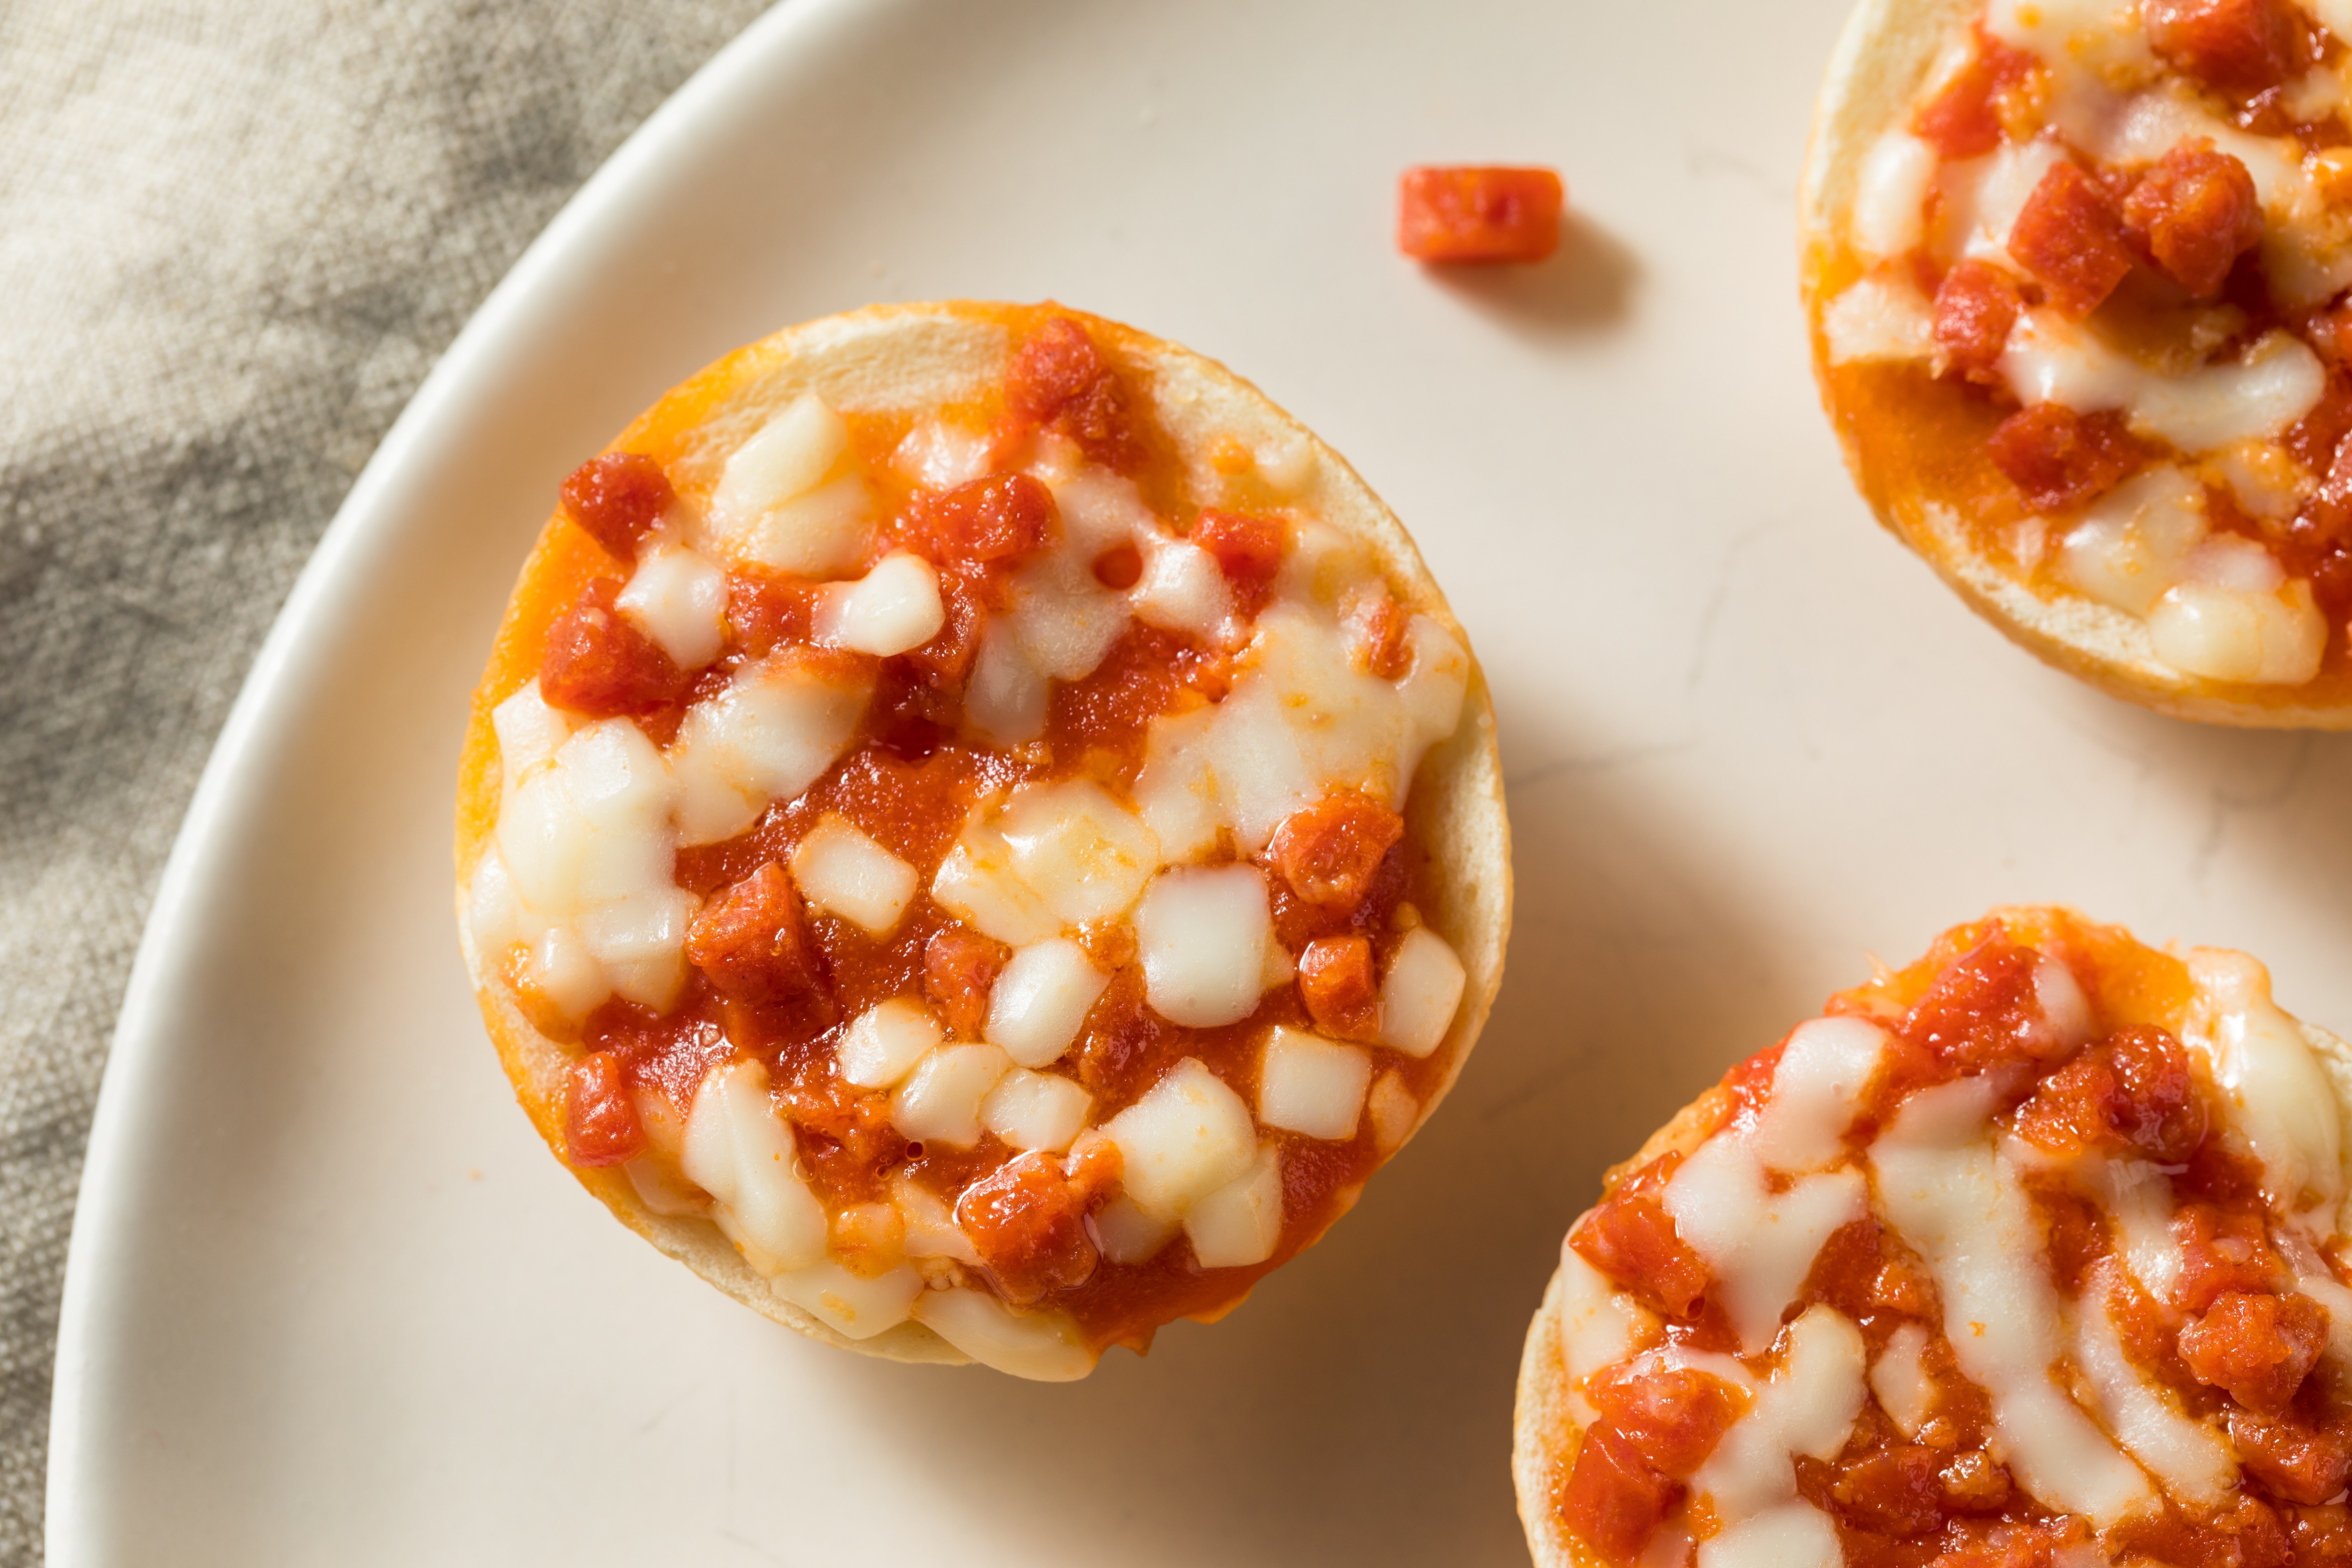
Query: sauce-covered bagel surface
[[979, 834], [2033, 1252], [2075, 274]]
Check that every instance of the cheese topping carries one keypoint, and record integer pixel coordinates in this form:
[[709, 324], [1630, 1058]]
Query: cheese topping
[[1992, 1258], [922, 841], [2127, 232]]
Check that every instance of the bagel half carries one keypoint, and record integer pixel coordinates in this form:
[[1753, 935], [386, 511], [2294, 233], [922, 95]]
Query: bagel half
[[1915, 434], [2191, 996], [1213, 440]]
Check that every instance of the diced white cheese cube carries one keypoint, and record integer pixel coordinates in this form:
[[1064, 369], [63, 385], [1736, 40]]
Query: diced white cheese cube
[[2224, 633], [494, 913], [1187, 1136], [528, 732], [2131, 544], [821, 534], [1182, 590], [773, 733], [738, 1151], [939, 1102], [640, 942], [1175, 794], [931, 1224], [678, 599], [976, 883], [1883, 317], [615, 776], [1041, 1346], [1311, 1085], [563, 971], [1394, 1112], [1202, 933], [1041, 1000], [1004, 699], [1085, 855], [883, 1044], [847, 1303], [1127, 1234], [1036, 1109], [938, 455], [894, 607], [1240, 1222], [1891, 194], [842, 872], [783, 458], [1420, 993]]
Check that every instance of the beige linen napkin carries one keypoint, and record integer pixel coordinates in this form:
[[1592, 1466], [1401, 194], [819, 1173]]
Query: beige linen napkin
[[233, 238]]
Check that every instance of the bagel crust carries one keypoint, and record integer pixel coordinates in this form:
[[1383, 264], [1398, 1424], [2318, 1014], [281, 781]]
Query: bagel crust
[[2032, 1251], [867, 862], [2074, 287]]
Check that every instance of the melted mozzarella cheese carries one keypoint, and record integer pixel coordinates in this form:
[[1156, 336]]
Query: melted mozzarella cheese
[[938, 455], [1891, 194], [775, 505], [893, 608], [2283, 1106], [1202, 933], [1946, 1195], [1394, 1112], [678, 599], [2137, 1196], [939, 1100], [1900, 1382], [841, 871], [1882, 318], [1824, 1069], [1759, 1245], [1240, 1223], [1309, 1085], [1041, 1346], [2049, 359], [851, 1304], [2263, 638], [1182, 590], [1598, 1325], [1421, 993], [2190, 1457], [774, 730], [1793, 1535], [738, 1150], [1807, 1406], [2134, 542], [1035, 1111], [528, 729], [1128, 1233], [1187, 1136], [1085, 856], [883, 1044], [1041, 1000], [1983, 196]]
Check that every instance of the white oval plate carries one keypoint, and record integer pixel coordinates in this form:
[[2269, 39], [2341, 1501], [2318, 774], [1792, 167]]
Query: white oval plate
[[331, 1301]]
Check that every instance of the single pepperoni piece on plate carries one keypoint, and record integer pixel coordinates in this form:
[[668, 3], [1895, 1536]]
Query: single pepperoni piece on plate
[[2061, 459], [617, 497], [1479, 214], [2070, 235], [2196, 211]]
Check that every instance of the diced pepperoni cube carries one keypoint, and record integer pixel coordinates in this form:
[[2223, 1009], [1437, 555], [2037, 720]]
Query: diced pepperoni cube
[[2242, 46], [1963, 120], [1248, 551], [2061, 459], [2196, 210], [2302, 1460], [753, 942], [1059, 378], [1329, 851], [600, 1115], [2221, 1250], [2256, 1348], [1631, 1237], [958, 966], [2134, 1092], [1478, 215], [617, 497], [1983, 1009], [1337, 983], [1895, 1491], [1381, 635], [1029, 1225], [596, 663], [2321, 1537], [1673, 1416], [1613, 1502], [995, 519], [2070, 235], [1976, 305], [767, 610]]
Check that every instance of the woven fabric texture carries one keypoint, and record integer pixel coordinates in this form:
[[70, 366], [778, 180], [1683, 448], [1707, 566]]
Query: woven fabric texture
[[234, 235]]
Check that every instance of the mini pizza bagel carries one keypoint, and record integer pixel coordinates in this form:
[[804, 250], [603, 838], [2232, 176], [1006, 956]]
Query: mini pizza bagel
[[2033, 1251], [2075, 276], [979, 834]]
